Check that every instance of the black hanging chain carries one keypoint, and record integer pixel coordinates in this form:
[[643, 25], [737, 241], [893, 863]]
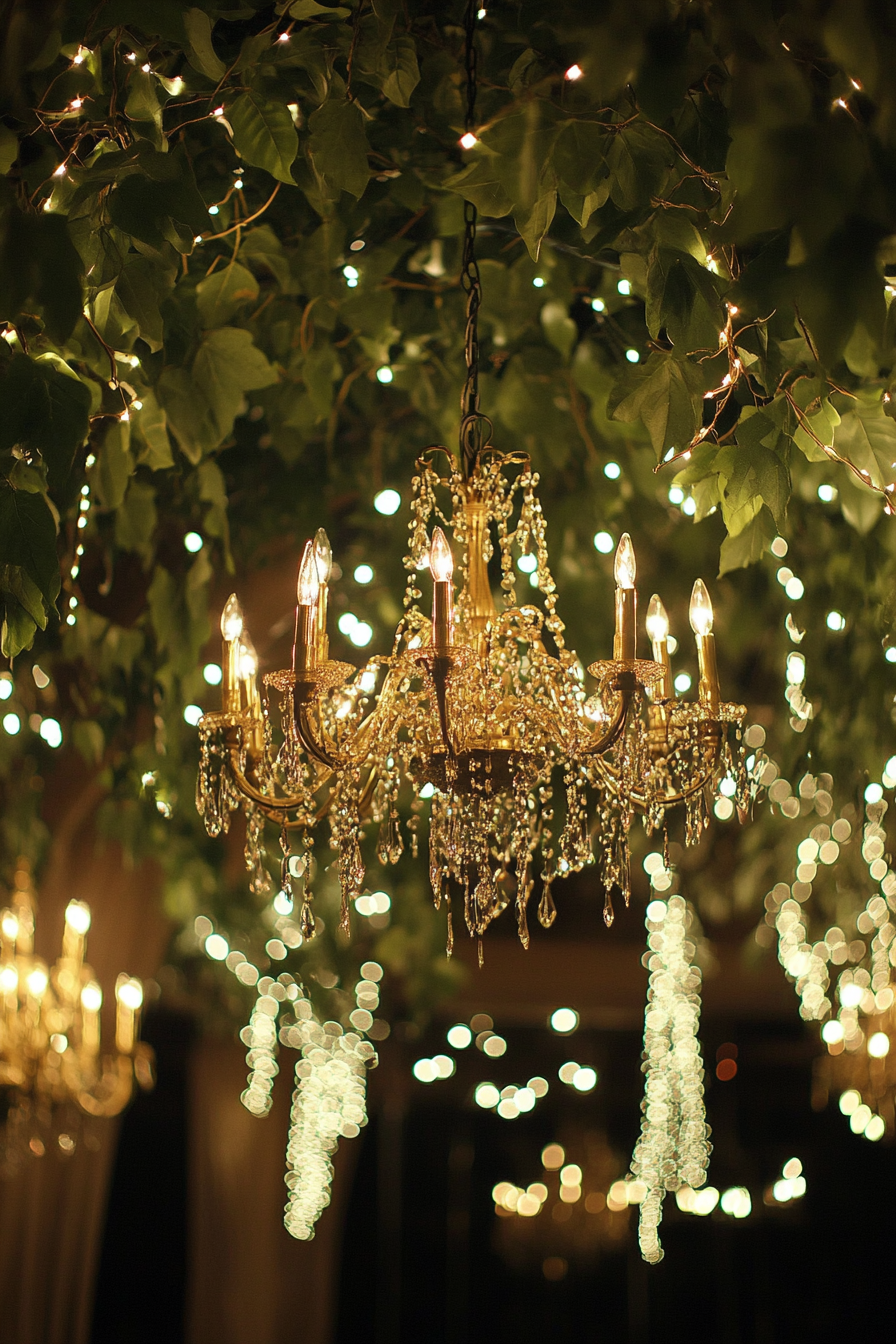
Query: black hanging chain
[[471, 420]]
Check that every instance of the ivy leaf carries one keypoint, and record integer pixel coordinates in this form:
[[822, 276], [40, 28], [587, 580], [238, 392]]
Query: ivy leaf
[[754, 472], [823, 423], [579, 156], [264, 134], [337, 146], [868, 438], [397, 73], [143, 107], [200, 52], [45, 410], [666, 395], [202, 405], [39, 263], [135, 520], [682, 297], [222, 293], [262, 247], [27, 563], [860, 507], [141, 288], [309, 9], [534, 224], [637, 160], [559, 328], [481, 182], [161, 203], [149, 429], [114, 465], [749, 545]]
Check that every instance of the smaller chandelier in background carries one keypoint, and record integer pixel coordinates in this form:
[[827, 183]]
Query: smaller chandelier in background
[[51, 1055]]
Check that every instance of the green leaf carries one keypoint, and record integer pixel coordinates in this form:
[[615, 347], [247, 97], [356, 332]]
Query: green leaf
[[534, 223], [149, 430], [579, 156], [220, 295], [666, 395], [867, 437], [114, 465], [559, 328], [682, 298], [637, 159], [309, 9], [264, 134], [398, 71], [161, 203], [27, 543], [135, 520], [754, 472], [749, 545], [337, 146], [202, 405], [144, 108], [823, 423], [141, 288], [262, 247], [9, 149], [15, 582], [89, 740], [481, 182], [39, 264], [200, 52], [45, 410]]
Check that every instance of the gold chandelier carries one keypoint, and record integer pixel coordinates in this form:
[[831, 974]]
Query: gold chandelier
[[479, 709], [50, 1046]]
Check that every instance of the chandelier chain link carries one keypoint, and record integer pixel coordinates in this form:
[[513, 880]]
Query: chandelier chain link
[[471, 423]]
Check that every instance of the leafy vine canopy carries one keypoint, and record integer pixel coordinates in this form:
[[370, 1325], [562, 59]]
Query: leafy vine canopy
[[229, 247]]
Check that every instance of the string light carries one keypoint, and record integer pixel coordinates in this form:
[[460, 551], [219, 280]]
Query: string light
[[673, 1148]]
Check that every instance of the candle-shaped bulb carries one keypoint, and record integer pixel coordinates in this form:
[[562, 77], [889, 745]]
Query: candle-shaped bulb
[[624, 567], [92, 997], [129, 992], [248, 664], [323, 555], [9, 925], [77, 916], [9, 979], [232, 619], [700, 612], [657, 620], [441, 561], [308, 585], [37, 982]]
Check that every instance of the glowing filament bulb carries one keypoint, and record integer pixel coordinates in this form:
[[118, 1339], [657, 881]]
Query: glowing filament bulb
[[657, 620], [308, 585], [92, 997], [130, 993], [248, 659], [624, 567], [323, 555], [77, 916], [700, 612], [441, 561], [10, 926], [232, 619], [37, 982]]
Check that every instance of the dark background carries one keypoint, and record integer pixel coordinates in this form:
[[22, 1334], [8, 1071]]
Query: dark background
[[419, 1261]]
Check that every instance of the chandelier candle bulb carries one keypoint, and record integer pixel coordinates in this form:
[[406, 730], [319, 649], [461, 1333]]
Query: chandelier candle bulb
[[658, 633], [91, 1003], [441, 564], [307, 591], [231, 629], [74, 937], [625, 571], [250, 698], [323, 560], [128, 998], [701, 624]]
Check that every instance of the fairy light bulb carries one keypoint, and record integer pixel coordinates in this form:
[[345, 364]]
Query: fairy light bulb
[[232, 619], [657, 621], [700, 611], [323, 555], [92, 997], [624, 567], [308, 585], [441, 561]]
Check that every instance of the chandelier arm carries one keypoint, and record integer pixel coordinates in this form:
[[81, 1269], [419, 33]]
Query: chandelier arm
[[271, 806], [671, 799], [305, 735], [603, 743]]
